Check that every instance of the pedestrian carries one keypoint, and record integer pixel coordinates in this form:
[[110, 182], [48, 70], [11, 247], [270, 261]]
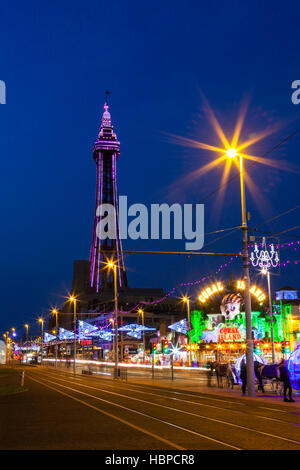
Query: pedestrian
[[285, 378], [209, 373], [230, 375], [243, 376]]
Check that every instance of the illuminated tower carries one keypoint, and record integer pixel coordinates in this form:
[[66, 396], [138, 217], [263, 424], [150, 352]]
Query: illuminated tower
[[106, 152]]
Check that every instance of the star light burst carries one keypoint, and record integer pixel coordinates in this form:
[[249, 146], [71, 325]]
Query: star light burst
[[230, 151]]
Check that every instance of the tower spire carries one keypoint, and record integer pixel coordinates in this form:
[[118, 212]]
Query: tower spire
[[106, 119]]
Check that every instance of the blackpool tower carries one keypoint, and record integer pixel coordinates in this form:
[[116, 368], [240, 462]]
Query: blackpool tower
[[106, 153]]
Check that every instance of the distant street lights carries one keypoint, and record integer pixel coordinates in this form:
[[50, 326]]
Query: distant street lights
[[55, 312], [8, 346], [41, 321], [187, 301], [6, 343], [232, 153], [73, 300], [27, 328]]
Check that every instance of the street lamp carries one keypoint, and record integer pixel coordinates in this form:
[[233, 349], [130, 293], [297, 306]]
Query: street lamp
[[7, 346], [55, 312], [27, 327], [42, 345], [232, 153], [141, 312], [187, 301], [6, 340], [73, 299], [112, 265]]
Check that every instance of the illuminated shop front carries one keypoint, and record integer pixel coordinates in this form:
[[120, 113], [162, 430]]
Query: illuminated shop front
[[218, 324]]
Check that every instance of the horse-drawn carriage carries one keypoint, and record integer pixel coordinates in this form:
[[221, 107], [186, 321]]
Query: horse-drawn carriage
[[272, 377], [224, 372]]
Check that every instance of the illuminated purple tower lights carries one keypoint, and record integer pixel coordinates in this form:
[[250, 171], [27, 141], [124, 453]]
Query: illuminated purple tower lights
[[106, 151]]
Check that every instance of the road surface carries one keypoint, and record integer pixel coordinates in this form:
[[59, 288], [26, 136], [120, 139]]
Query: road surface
[[61, 411]]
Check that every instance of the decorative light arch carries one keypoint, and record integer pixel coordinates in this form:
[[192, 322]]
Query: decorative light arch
[[240, 285]]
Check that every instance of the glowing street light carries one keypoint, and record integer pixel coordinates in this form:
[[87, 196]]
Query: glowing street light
[[231, 153], [5, 335], [113, 265], [187, 301], [73, 299], [41, 321], [27, 328], [55, 312]]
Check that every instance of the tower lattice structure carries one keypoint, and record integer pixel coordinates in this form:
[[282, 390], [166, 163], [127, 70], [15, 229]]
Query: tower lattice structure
[[106, 152]]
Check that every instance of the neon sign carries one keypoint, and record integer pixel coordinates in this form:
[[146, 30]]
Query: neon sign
[[224, 333], [258, 293], [230, 334], [209, 291]]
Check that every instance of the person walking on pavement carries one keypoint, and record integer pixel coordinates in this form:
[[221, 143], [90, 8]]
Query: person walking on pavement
[[284, 376], [243, 376]]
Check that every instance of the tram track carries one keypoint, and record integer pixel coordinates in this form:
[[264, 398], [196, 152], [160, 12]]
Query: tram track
[[196, 403], [128, 423], [165, 392], [223, 423]]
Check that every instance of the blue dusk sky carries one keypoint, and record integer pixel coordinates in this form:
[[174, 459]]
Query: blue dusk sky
[[158, 59]]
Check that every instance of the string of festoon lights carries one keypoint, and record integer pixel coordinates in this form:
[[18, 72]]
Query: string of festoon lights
[[294, 244]]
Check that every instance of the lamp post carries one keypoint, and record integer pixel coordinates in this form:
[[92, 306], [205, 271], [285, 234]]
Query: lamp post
[[73, 299], [42, 334], [27, 327], [55, 312], [187, 301], [266, 260], [113, 265], [9, 349], [7, 346], [4, 335], [142, 313], [232, 153], [13, 335]]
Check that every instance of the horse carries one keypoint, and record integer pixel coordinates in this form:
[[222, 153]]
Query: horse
[[275, 372], [224, 370]]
